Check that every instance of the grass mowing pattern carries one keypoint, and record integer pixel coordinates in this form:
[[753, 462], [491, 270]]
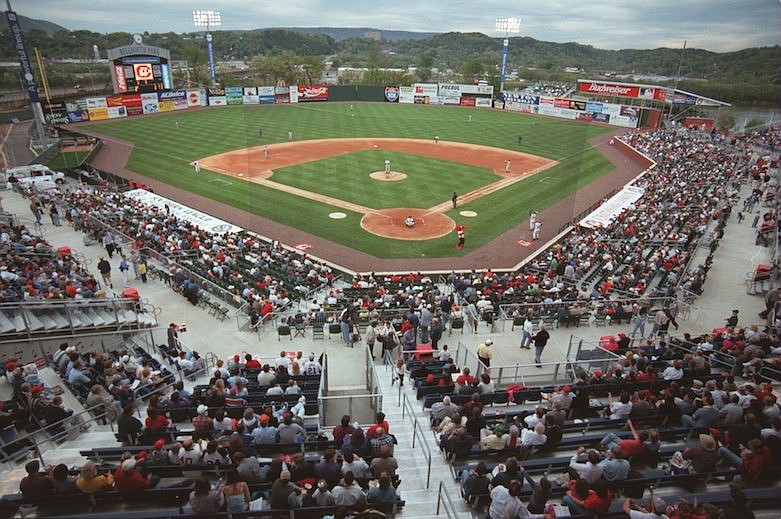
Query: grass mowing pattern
[[66, 160], [164, 152], [346, 177]]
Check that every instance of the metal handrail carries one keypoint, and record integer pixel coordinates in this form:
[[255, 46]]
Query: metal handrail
[[417, 430], [446, 503], [36, 442]]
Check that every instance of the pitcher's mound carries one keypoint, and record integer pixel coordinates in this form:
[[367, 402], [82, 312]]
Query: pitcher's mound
[[390, 223], [388, 177]]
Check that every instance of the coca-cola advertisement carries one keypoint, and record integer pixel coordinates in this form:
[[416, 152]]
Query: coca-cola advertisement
[[312, 93]]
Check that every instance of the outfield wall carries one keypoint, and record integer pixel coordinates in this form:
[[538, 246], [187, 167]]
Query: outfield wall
[[445, 94]]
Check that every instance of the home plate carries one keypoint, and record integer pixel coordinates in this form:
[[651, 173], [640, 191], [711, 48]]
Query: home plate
[[468, 214], [523, 243], [337, 215]]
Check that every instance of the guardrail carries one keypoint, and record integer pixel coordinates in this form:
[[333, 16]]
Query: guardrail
[[417, 431], [445, 503], [57, 432]]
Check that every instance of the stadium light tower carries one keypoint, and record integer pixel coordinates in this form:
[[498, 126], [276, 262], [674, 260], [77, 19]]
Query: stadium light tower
[[208, 19], [507, 26]]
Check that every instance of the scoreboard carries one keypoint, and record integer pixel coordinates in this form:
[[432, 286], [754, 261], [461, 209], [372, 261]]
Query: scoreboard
[[140, 69]]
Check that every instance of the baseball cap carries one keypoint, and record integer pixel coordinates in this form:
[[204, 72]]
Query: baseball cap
[[128, 464], [202, 409], [567, 388], [263, 419], [159, 444], [488, 342]]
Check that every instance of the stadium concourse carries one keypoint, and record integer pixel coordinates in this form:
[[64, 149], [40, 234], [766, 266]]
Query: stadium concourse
[[726, 289]]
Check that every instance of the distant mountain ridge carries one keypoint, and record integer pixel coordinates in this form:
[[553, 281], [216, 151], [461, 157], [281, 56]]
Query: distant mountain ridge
[[28, 24], [345, 33]]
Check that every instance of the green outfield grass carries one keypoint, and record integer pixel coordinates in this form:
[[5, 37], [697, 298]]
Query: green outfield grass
[[66, 160], [346, 177], [164, 152]]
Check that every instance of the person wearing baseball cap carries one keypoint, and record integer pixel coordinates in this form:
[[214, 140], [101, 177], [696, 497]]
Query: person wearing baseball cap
[[202, 423], [484, 352], [285, 494]]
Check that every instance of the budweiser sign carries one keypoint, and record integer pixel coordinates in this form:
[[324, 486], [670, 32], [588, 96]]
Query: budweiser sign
[[611, 89]]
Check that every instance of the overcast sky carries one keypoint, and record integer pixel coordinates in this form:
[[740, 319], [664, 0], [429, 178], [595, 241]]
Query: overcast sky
[[718, 25]]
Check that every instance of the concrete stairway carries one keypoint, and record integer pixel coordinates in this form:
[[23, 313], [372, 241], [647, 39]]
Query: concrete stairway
[[413, 462]]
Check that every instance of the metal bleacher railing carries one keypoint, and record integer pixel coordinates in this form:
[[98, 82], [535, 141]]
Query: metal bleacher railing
[[52, 319]]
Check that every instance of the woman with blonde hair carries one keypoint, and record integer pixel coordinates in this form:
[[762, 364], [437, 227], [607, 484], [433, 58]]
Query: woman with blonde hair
[[90, 482]]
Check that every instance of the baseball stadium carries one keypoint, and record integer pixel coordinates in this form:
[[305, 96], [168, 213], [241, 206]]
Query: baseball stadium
[[425, 299]]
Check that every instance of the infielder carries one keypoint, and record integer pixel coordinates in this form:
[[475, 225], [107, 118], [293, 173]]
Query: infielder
[[507, 165], [197, 166], [387, 167], [532, 219], [537, 229], [265, 151]]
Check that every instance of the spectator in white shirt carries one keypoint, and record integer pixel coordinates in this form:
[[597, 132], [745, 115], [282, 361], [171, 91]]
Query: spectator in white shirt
[[532, 437], [619, 410], [590, 470], [674, 372]]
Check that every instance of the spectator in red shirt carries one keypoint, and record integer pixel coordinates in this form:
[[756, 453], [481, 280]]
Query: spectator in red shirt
[[155, 422], [128, 480], [342, 430], [251, 363], [640, 443], [754, 460], [465, 379], [379, 422], [36, 485]]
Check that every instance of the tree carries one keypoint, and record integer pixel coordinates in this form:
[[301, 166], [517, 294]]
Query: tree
[[195, 58], [311, 68], [472, 70]]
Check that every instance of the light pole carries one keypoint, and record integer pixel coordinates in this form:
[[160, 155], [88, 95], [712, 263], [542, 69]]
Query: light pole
[[208, 19], [507, 26]]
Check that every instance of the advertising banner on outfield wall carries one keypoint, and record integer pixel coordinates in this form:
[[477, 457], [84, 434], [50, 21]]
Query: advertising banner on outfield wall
[[612, 208], [483, 102], [281, 95], [602, 118], [307, 93], [234, 95], [149, 103], [173, 99], [115, 112], [250, 96], [406, 95], [520, 107], [293, 93], [217, 97], [77, 110], [450, 100], [468, 101], [391, 94], [132, 104], [594, 108], [425, 89], [521, 98], [265, 95], [196, 98], [449, 89], [97, 108]]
